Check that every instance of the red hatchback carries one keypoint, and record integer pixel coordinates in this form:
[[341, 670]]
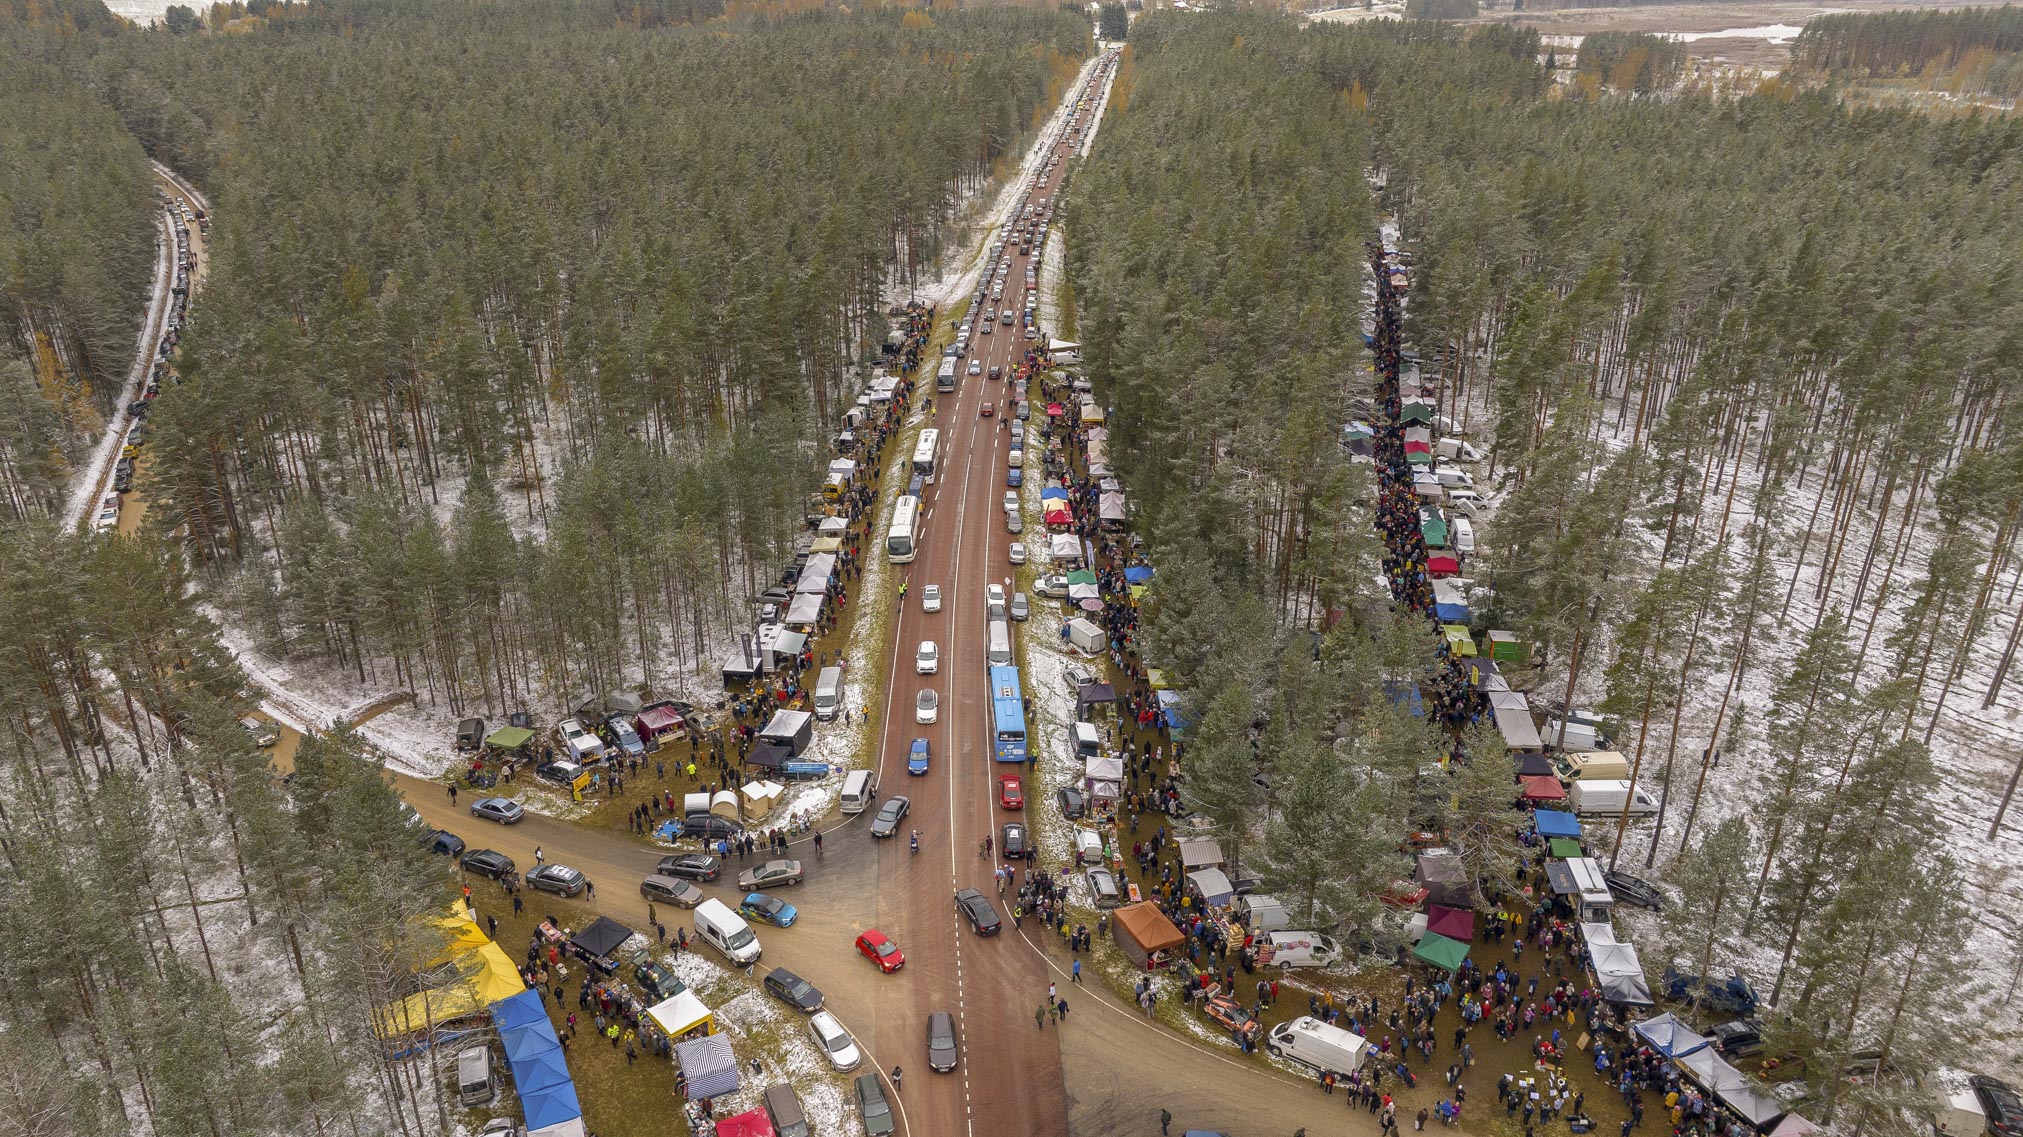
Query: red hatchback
[[1010, 793], [873, 945]]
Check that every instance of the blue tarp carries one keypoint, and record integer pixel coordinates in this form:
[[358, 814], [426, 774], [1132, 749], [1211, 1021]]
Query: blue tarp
[[1553, 823], [552, 1106], [520, 1010], [1169, 708], [1451, 613], [1406, 699], [1053, 493], [543, 1071], [1138, 574]]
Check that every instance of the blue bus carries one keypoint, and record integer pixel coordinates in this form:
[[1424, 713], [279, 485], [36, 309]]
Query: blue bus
[[1008, 715]]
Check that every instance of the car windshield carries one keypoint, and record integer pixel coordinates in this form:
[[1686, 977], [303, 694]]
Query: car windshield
[[884, 947], [799, 988], [740, 938]]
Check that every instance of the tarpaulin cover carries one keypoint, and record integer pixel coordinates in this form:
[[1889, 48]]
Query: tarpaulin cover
[[1059, 517], [770, 755], [1554, 823], [1793, 1126], [1443, 562], [1169, 706], [658, 719], [1053, 493], [1669, 1036], [709, 1066], [1560, 879], [1147, 927], [1620, 974], [1543, 788], [1081, 576], [1459, 642], [1097, 434], [622, 702], [602, 937], [1080, 592], [1451, 613], [1440, 951], [521, 1010], [1138, 574], [1564, 848], [509, 737], [570, 1128], [541, 1070], [479, 974], [1734, 1088], [1510, 700], [1102, 769], [790, 643], [539, 1065], [1531, 763], [533, 1038], [1454, 923], [806, 609], [552, 1106], [1055, 410], [1214, 885]]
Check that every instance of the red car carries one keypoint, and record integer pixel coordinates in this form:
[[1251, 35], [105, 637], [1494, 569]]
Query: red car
[[875, 947], [1404, 895], [989, 409], [1010, 793]]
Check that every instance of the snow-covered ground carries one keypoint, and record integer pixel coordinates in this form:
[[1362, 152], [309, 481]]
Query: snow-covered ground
[[764, 1028]]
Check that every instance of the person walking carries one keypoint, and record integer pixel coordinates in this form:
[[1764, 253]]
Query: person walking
[[1165, 1120], [453, 793], [539, 857], [1040, 1017], [895, 1079], [1075, 976]]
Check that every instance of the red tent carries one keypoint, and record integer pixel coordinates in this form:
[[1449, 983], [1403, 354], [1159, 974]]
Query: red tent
[[1454, 923], [1060, 517], [1056, 410], [1443, 564], [1543, 788], [752, 1123], [657, 720], [1418, 448]]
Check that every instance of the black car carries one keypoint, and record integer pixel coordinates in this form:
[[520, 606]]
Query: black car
[[872, 1106], [560, 773], [1012, 842], [977, 909], [941, 1045], [690, 866], [1634, 890], [793, 990], [1737, 1039], [711, 827], [487, 862], [886, 824], [445, 842], [658, 982], [1073, 805], [2000, 1104]]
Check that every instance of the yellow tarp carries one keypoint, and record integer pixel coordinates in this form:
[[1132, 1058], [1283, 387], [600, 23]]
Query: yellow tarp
[[484, 975]]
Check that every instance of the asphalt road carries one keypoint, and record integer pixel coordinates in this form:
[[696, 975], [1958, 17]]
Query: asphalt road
[[1107, 1071]]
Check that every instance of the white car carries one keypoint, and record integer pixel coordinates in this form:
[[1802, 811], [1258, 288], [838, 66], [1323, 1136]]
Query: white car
[[833, 1041], [1088, 847], [930, 598], [927, 660], [1011, 501], [927, 708], [583, 745], [993, 602], [976, 367], [1018, 552], [1016, 458]]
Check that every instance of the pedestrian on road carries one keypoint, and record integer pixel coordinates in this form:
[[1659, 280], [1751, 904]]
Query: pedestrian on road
[[895, 1079], [538, 856], [1039, 1018], [453, 793], [1075, 976], [1050, 992], [1165, 1119]]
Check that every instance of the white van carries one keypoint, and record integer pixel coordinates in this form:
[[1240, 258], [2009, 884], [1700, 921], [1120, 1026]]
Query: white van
[[860, 787], [726, 931], [1298, 949], [1087, 743], [1465, 503], [1309, 1042], [1606, 797], [1464, 534], [998, 652], [829, 694], [1454, 478]]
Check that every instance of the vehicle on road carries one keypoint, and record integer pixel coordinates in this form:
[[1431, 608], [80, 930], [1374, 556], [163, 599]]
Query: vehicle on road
[[658, 982], [930, 598], [872, 1107], [1072, 804], [833, 1041], [1020, 610], [1011, 792], [1633, 890], [993, 602], [927, 660], [927, 707], [1230, 1016], [919, 756], [710, 826], [942, 1049], [975, 367], [444, 842], [793, 990], [1018, 557], [1012, 842], [772, 874], [977, 909], [487, 862], [671, 890], [558, 879], [690, 866], [1014, 476], [987, 410], [889, 816], [727, 932], [505, 811], [768, 908], [874, 946], [1011, 505]]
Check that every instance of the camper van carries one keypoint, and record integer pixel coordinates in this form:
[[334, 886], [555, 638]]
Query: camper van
[[1606, 797], [999, 652], [1297, 949], [1314, 1044], [829, 693], [1464, 534], [726, 931], [1596, 766], [1262, 914], [860, 787], [1465, 503]]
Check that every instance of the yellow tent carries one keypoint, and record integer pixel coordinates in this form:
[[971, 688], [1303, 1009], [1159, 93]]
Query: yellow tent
[[480, 974]]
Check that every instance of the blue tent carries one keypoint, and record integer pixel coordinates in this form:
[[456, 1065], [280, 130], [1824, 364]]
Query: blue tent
[[1451, 613], [1053, 493], [523, 1008], [1169, 709], [540, 1072], [1405, 698], [523, 1041], [552, 1106], [1138, 574], [1669, 1037], [1553, 823]]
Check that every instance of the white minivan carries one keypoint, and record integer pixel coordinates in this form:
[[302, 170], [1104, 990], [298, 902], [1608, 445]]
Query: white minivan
[[829, 693], [1466, 503], [1464, 534], [1317, 1046], [1299, 949], [1454, 478], [860, 789], [726, 931]]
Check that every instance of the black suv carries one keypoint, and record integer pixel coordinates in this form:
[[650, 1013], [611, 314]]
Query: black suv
[[2000, 1104], [658, 982], [702, 825], [487, 862]]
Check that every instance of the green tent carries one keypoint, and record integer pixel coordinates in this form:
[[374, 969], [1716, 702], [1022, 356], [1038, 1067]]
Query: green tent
[[1434, 531], [510, 737], [1419, 458], [1565, 849], [1440, 951], [1081, 576], [1416, 412]]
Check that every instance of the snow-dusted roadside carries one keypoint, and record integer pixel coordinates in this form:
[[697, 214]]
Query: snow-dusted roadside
[[90, 482]]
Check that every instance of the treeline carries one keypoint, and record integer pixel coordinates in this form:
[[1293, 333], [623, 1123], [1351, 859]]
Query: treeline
[[1442, 9], [1879, 44], [593, 292], [76, 260], [1640, 307], [196, 943], [1630, 61]]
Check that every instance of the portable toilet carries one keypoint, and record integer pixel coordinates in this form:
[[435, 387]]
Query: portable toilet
[[1505, 647]]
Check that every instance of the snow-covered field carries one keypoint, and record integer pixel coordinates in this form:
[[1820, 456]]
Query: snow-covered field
[[764, 1028]]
